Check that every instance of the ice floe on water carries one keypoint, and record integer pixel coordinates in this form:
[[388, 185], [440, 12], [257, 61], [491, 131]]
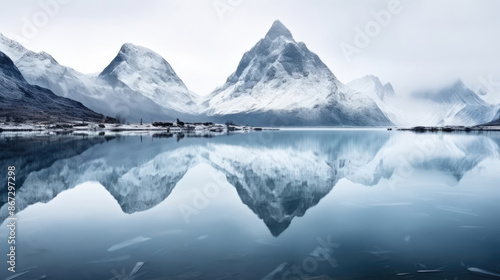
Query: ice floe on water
[[483, 272], [455, 210], [127, 243]]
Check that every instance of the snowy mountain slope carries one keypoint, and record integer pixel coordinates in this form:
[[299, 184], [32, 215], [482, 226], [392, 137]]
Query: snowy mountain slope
[[371, 86], [496, 118], [457, 105], [21, 101], [490, 97], [281, 79], [488, 89], [96, 93], [385, 98], [454, 104], [145, 71], [497, 115]]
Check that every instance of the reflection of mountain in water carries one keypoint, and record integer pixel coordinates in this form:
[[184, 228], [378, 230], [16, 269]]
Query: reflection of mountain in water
[[40, 152], [279, 179], [276, 184]]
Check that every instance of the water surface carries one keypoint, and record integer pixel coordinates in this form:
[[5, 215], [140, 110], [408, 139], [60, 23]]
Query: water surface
[[290, 204]]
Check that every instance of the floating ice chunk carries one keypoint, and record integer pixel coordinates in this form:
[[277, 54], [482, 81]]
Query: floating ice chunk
[[16, 275], [455, 209], [136, 268], [431, 270], [156, 252], [202, 237], [127, 243], [407, 238], [483, 272]]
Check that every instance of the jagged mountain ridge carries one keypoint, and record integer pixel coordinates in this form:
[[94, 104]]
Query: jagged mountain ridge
[[496, 119], [383, 95], [20, 101], [145, 71], [454, 104], [113, 99], [278, 82], [373, 87]]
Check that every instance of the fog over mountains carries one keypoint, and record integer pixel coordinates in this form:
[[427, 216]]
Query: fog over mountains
[[277, 82]]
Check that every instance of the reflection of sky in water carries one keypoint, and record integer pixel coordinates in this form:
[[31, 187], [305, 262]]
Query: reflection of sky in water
[[268, 204]]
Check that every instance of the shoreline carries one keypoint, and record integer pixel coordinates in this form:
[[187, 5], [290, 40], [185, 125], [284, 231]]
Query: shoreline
[[149, 127], [211, 128], [450, 128]]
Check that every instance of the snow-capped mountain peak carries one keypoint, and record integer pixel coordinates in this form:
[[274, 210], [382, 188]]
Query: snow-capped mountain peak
[[282, 79], [18, 53], [136, 58], [373, 87], [145, 71], [46, 58], [457, 92], [12, 48], [42, 70], [22, 101], [277, 30]]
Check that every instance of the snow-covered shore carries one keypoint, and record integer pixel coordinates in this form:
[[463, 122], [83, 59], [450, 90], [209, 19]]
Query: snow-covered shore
[[87, 128], [450, 128]]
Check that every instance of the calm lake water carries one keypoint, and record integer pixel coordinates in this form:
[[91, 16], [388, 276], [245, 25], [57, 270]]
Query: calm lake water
[[290, 204]]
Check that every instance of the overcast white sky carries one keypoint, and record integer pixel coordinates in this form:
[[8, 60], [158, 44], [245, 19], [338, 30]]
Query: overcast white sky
[[428, 43]]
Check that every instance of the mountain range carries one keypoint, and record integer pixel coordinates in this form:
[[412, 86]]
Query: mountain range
[[278, 82], [21, 101], [453, 104]]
